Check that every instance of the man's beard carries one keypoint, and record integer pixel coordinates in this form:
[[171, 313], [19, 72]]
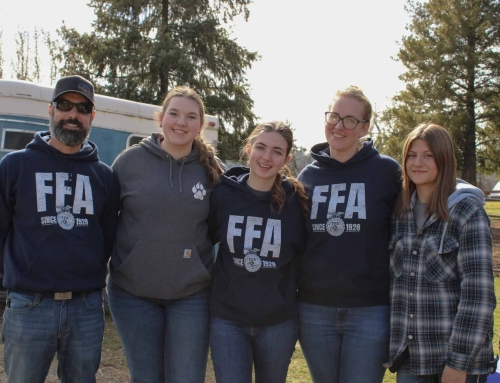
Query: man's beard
[[69, 137]]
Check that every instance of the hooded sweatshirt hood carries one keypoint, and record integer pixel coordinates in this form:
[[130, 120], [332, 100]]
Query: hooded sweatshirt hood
[[321, 153], [153, 145], [88, 152], [465, 190], [237, 177]]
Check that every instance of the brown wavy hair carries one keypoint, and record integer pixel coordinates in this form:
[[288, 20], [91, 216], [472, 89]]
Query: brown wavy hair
[[278, 195], [441, 145], [207, 152]]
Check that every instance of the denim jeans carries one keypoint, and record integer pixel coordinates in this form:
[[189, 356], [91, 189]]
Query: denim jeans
[[36, 328], [344, 345], [164, 340], [404, 376], [235, 348]]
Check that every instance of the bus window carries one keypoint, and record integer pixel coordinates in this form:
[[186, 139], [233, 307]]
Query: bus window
[[134, 139], [16, 139]]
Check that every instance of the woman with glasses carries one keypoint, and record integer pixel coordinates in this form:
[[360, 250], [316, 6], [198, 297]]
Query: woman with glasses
[[344, 274], [442, 289]]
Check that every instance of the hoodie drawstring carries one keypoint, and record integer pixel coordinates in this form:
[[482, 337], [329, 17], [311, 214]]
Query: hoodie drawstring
[[70, 171], [170, 174], [180, 174]]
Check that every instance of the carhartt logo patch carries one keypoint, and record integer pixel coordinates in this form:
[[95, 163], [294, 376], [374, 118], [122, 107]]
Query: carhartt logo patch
[[187, 253]]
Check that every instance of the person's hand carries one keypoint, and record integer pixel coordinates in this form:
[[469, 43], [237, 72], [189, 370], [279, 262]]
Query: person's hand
[[451, 375]]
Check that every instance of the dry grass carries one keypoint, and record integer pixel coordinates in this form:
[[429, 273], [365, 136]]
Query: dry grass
[[113, 367]]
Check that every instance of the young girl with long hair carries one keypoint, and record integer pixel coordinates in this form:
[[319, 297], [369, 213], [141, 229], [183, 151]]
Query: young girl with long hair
[[257, 218], [160, 267], [442, 291]]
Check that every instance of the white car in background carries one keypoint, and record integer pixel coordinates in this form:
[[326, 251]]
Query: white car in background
[[495, 193]]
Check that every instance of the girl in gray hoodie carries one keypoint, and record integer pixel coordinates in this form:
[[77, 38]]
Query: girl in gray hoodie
[[162, 259]]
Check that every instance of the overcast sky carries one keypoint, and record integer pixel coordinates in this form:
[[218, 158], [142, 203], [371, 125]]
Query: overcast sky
[[309, 50]]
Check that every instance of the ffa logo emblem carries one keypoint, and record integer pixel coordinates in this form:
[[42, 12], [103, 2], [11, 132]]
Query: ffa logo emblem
[[199, 191], [335, 226], [252, 261], [65, 218]]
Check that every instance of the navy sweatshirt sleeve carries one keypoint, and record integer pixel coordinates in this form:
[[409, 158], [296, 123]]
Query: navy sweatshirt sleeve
[[6, 208]]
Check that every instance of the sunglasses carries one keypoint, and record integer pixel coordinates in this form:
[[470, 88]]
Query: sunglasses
[[81, 107]]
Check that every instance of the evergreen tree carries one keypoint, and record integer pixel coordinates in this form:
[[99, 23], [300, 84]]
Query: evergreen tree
[[139, 49], [452, 59]]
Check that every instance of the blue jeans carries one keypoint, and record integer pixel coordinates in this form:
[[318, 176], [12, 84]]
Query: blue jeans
[[36, 328], [164, 340], [404, 376], [344, 345], [235, 348]]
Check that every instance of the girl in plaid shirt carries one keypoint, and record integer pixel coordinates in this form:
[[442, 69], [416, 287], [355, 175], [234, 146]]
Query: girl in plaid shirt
[[442, 291]]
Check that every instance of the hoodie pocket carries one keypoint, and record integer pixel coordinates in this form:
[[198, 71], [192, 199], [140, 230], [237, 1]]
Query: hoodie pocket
[[441, 264], [255, 300], [162, 270], [340, 269]]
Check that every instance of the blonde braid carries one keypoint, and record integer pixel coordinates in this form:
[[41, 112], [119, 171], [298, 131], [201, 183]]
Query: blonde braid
[[208, 160]]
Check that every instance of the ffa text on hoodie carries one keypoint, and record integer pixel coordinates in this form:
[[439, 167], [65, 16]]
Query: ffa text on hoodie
[[58, 216], [346, 262], [254, 278]]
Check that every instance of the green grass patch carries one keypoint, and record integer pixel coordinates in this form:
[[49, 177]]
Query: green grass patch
[[492, 208]]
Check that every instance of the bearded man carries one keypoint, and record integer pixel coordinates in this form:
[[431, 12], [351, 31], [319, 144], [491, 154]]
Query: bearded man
[[58, 214]]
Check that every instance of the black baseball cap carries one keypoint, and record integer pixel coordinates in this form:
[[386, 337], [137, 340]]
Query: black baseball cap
[[74, 84]]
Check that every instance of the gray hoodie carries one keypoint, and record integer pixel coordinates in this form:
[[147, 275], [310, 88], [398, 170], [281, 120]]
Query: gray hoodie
[[162, 248]]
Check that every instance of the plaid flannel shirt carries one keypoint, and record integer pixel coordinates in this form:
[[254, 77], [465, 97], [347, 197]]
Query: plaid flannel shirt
[[442, 291]]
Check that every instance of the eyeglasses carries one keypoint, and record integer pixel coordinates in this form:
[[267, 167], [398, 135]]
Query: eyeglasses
[[81, 107], [349, 123]]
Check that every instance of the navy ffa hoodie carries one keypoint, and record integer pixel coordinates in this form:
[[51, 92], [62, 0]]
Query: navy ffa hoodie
[[58, 216], [346, 262], [254, 278]]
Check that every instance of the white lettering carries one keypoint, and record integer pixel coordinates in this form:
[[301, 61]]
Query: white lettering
[[48, 220], [232, 231], [250, 232], [335, 198], [318, 198], [83, 195], [356, 193], [42, 190], [273, 228], [61, 189]]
